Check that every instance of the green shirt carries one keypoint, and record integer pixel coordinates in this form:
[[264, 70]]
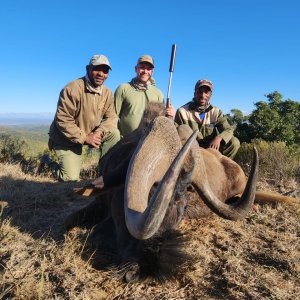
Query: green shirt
[[130, 105]]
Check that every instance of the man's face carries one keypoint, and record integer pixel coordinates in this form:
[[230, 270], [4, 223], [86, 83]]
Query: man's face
[[202, 95], [144, 71], [98, 74]]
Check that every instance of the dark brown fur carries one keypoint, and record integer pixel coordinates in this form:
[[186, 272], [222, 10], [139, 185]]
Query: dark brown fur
[[224, 176]]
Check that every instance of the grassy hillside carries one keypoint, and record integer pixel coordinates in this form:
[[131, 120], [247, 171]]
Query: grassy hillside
[[255, 258], [35, 137], [31, 132]]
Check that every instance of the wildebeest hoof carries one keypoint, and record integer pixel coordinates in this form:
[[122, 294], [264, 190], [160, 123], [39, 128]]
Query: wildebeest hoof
[[76, 219], [72, 220], [133, 274]]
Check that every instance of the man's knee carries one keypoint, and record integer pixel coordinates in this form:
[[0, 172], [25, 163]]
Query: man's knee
[[232, 147], [68, 173], [235, 142], [70, 161], [109, 141]]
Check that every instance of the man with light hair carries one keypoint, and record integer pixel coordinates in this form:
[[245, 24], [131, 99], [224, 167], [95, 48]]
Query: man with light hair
[[214, 129], [131, 98], [85, 115]]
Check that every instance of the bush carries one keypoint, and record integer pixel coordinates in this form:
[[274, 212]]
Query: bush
[[12, 150], [278, 163]]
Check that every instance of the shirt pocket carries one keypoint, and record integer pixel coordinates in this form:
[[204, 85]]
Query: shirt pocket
[[209, 129]]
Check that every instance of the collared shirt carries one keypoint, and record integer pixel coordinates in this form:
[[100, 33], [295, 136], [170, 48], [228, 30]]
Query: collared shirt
[[130, 104], [81, 111], [212, 123]]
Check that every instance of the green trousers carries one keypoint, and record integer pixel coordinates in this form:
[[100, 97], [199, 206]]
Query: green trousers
[[230, 149], [70, 158]]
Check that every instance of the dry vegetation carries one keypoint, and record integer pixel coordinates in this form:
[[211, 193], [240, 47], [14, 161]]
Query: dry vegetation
[[257, 258]]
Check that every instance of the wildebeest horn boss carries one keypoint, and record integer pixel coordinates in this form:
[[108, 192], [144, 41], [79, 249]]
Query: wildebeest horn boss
[[155, 177]]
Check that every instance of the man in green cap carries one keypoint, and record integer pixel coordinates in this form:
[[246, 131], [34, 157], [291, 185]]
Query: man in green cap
[[214, 129], [85, 115], [131, 98]]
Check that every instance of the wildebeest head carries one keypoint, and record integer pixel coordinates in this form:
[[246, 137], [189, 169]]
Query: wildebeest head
[[157, 162]]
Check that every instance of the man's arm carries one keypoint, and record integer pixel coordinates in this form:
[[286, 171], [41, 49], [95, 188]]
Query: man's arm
[[109, 118], [178, 118], [118, 99], [65, 115], [224, 128]]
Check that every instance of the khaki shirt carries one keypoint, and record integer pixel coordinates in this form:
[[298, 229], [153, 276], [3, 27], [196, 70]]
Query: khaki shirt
[[80, 111]]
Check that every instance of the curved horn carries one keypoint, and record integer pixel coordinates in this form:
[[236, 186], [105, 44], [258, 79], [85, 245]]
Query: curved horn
[[148, 167], [238, 209]]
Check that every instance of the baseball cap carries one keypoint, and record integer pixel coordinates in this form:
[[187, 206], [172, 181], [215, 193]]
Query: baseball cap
[[203, 82], [146, 58], [98, 60]]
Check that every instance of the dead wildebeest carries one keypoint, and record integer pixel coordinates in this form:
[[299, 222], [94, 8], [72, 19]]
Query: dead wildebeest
[[152, 182]]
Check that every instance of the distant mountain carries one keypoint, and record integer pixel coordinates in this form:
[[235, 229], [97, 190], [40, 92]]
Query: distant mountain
[[8, 119]]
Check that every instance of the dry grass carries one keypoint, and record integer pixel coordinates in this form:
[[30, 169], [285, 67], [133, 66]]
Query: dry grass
[[257, 258]]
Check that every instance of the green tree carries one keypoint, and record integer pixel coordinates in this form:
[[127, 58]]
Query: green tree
[[276, 120], [241, 125]]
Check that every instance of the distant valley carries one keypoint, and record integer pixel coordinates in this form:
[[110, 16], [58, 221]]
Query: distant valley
[[11, 119], [33, 129]]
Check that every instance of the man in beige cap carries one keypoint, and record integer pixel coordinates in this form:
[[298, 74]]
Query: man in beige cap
[[85, 115], [214, 129], [131, 98]]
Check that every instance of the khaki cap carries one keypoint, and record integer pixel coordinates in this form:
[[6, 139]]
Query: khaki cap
[[203, 82], [146, 58], [98, 60]]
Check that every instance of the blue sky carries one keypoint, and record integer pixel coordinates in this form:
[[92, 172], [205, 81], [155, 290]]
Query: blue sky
[[248, 48]]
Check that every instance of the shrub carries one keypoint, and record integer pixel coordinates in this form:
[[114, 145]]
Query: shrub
[[278, 163], [12, 150]]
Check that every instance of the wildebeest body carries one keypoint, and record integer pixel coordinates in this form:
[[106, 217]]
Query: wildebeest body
[[152, 182]]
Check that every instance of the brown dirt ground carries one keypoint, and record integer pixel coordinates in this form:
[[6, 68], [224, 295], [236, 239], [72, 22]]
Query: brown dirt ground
[[256, 258]]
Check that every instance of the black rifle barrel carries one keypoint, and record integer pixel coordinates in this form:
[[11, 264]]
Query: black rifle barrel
[[171, 69], [172, 62]]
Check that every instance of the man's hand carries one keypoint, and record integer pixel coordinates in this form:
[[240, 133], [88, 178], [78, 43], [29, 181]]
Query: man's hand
[[93, 139], [170, 111], [215, 143]]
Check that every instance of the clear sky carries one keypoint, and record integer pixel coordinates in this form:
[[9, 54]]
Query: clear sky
[[248, 48]]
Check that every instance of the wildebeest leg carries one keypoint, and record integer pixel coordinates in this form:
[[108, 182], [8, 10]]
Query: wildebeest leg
[[89, 215], [103, 235], [130, 249]]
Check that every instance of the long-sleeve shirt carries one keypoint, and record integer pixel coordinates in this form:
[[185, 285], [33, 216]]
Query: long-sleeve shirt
[[130, 105], [212, 122], [81, 111]]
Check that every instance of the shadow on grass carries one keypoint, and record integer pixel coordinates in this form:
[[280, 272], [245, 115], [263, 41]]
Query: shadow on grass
[[39, 207]]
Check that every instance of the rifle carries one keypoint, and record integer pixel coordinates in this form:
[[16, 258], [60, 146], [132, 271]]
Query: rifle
[[171, 69]]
